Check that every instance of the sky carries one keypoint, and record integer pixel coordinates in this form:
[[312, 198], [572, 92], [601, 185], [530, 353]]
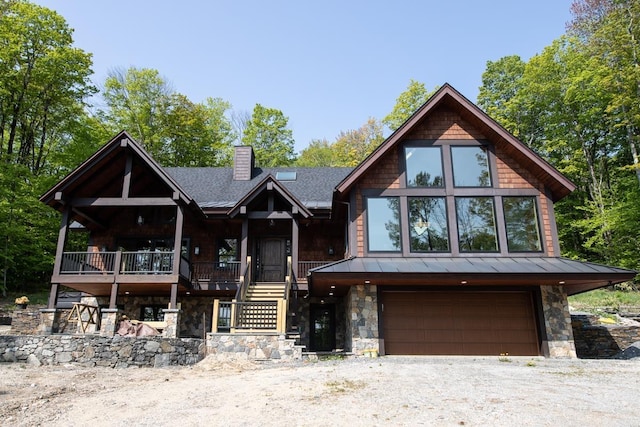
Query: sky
[[327, 65]]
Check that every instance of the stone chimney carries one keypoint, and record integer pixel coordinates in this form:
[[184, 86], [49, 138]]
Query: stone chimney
[[243, 163]]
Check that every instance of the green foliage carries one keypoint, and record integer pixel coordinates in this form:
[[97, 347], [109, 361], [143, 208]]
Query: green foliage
[[43, 82], [271, 139], [349, 149], [407, 103], [604, 299], [173, 129]]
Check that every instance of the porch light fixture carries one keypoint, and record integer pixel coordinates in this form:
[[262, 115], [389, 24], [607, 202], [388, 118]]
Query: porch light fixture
[[333, 286], [140, 220], [464, 282], [367, 282], [196, 250], [562, 282], [330, 294], [331, 250]]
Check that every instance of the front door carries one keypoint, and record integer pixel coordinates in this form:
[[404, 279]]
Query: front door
[[323, 327], [271, 260]]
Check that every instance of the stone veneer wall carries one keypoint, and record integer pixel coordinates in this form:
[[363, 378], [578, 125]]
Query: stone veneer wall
[[25, 321], [557, 323], [362, 319], [253, 347], [115, 352], [596, 341]]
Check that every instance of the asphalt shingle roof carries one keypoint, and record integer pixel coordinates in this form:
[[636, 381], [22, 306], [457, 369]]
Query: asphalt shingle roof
[[215, 187]]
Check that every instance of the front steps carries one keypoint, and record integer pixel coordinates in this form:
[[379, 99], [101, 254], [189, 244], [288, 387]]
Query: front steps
[[266, 291]]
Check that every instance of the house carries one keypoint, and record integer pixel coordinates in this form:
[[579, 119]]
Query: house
[[442, 241]]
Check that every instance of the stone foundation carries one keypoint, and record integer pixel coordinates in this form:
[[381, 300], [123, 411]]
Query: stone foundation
[[26, 321], [253, 347], [362, 333], [113, 352], [557, 323]]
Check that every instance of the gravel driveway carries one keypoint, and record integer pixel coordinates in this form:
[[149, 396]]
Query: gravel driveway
[[399, 391]]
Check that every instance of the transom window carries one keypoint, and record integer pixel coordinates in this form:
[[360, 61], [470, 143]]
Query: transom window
[[383, 224], [424, 166], [470, 166]]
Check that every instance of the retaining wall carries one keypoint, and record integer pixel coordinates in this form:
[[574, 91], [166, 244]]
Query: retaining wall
[[253, 347], [596, 341], [115, 352]]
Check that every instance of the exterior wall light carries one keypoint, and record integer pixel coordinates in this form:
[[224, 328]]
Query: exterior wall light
[[196, 250]]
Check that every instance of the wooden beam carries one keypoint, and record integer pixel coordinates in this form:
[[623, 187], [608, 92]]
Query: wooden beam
[[126, 183], [89, 218], [244, 245], [113, 299], [62, 239], [53, 296], [177, 241], [118, 201], [173, 303], [270, 215]]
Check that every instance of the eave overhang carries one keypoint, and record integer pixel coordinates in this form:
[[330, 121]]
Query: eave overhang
[[574, 276]]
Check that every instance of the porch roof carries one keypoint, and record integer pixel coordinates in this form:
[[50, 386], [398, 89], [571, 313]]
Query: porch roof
[[216, 188], [575, 276]]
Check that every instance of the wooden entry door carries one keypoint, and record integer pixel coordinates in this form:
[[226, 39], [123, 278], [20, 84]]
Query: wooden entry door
[[271, 260]]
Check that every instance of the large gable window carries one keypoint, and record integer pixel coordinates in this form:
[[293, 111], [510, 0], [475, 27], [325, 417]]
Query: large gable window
[[470, 167], [476, 224], [424, 166], [428, 224], [521, 222], [383, 224]]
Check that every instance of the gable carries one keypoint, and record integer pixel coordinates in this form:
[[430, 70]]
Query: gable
[[121, 168], [448, 115]]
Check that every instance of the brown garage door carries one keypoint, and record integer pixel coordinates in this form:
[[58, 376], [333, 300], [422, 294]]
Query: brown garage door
[[465, 323]]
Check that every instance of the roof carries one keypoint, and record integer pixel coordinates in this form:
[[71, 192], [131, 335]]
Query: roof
[[576, 276], [216, 188], [559, 185]]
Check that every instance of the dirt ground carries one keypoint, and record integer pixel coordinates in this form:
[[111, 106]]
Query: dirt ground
[[355, 392]]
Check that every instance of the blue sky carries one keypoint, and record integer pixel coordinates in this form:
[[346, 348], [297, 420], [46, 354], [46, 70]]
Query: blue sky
[[327, 65]]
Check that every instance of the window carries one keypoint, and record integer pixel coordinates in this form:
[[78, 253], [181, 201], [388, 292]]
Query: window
[[470, 167], [428, 224], [424, 166], [476, 224], [227, 251], [383, 224], [521, 222], [152, 313]]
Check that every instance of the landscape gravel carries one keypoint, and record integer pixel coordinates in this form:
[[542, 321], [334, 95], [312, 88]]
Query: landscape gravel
[[396, 391]]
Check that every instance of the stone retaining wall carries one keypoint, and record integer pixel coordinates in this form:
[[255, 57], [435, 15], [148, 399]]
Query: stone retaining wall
[[253, 347], [115, 352], [595, 341], [25, 321]]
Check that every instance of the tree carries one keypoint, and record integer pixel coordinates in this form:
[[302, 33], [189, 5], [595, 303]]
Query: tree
[[43, 82], [172, 128], [349, 149], [407, 103], [270, 138]]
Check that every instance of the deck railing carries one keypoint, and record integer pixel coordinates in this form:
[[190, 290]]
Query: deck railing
[[305, 266], [138, 262], [216, 271], [88, 262]]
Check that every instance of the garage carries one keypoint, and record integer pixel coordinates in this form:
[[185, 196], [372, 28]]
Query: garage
[[459, 323]]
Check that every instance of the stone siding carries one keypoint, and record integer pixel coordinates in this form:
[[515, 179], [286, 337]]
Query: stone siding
[[596, 341], [362, 319], [248, 346], [557, 323], [26, 321], [114, 352]]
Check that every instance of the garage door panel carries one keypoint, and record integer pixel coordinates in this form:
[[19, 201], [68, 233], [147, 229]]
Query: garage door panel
[[472, 323]]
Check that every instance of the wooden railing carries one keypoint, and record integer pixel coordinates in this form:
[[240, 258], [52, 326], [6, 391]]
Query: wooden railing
[[305, 266], [138, 262], [244, 282], [234, 316], [216, 271]]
